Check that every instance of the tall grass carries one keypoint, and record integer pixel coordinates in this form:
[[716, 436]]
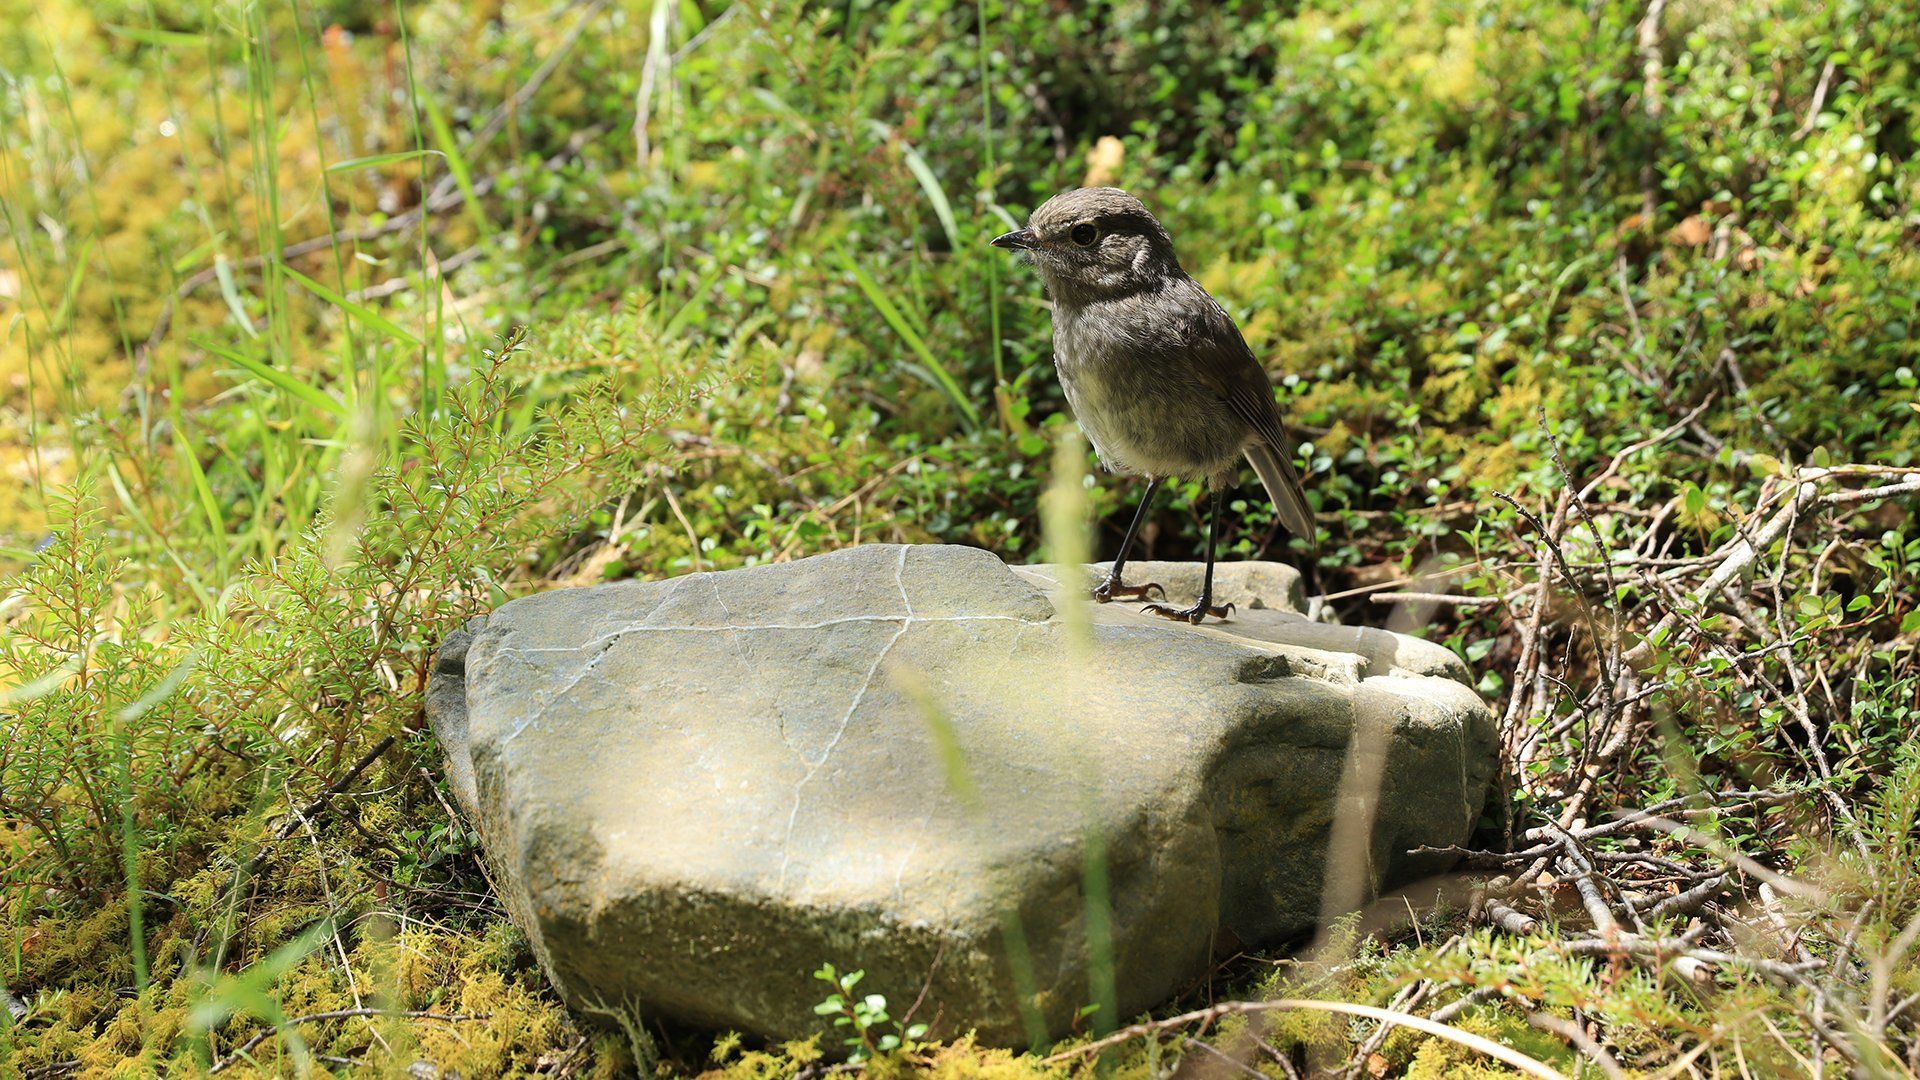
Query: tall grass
[[271, 488], [305, 376]]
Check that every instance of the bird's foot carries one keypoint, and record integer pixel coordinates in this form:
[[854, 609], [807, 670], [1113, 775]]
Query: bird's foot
[[1111, 589], [1195, 614]]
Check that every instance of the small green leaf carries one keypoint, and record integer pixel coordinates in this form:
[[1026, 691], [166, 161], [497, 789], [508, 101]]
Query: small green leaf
[[230, 292]]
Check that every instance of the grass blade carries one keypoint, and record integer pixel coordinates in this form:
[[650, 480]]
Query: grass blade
[[191, 259], [146, 35], [230, 292], [695, 306], [216, 521], [456, 162], [929, 183], [267, 373], [375, 161], [139, 517], [359, 311], [71, 294], [931, 365]]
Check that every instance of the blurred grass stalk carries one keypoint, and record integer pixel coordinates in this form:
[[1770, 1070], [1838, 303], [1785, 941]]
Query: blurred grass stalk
[[1351, 875], [1067, 546], [1350, 872], [1068, 543], [1066, 537], [959, 781]]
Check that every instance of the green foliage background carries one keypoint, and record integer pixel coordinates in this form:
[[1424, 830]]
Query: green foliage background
[[250, 480]]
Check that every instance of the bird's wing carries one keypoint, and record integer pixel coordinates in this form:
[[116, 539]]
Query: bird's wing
[[1224, 365], [1222, 362]]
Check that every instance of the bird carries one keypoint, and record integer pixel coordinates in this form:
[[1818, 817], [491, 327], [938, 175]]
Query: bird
[[1156, 373]]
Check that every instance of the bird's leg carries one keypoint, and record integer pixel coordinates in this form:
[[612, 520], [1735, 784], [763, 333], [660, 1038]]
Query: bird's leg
[[1205, 607], [1318, 610], [1111, 588]]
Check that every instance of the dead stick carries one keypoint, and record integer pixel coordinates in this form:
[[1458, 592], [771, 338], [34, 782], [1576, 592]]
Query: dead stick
[[1572, 1033], [1513, 922], [1484, 1045], [259, 859]]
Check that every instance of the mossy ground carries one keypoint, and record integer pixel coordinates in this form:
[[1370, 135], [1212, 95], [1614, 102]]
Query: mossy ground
[[249, 482]]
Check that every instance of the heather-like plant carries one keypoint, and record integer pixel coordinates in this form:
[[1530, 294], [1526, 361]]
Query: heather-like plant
[[311, 658], [95, 735]]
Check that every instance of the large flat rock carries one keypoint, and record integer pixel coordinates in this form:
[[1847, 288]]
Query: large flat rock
[[696, 791]]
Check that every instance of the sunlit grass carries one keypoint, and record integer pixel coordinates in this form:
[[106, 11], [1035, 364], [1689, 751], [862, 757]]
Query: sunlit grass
[[1420, 223]]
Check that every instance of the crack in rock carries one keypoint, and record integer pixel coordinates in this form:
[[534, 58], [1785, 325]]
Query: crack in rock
[[793, 815]]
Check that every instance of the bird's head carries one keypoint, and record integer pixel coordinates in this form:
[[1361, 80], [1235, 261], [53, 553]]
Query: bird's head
[[1094, 242]]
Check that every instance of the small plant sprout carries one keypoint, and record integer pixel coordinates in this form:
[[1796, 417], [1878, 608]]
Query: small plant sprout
[[871, 1030]]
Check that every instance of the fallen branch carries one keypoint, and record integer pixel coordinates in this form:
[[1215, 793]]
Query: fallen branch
[[1486, 1046], [1689, 901], [1437, 598], [320, 802], [1513, 922], [1572, 1033], [1677, 949]]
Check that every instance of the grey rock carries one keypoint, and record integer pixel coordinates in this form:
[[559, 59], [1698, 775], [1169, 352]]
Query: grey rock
[[694, 792]]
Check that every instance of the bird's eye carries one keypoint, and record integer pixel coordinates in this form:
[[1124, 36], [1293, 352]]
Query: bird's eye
[[1085, 234]]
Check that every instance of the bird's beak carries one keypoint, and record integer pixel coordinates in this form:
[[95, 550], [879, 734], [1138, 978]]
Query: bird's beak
[[1017, 240]]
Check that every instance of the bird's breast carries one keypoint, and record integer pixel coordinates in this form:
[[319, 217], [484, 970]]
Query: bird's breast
[[1142, 413]]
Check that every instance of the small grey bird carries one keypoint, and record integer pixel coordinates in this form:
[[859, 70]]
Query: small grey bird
[[1156, 372]]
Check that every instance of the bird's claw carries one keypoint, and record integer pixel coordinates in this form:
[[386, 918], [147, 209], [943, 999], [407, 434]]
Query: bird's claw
[[1111, 589], [1195, 614]]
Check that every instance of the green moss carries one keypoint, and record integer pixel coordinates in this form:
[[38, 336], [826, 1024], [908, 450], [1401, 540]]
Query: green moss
[[1441, 1059]]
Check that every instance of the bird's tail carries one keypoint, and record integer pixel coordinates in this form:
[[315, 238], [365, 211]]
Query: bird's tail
[[1282, 482]]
